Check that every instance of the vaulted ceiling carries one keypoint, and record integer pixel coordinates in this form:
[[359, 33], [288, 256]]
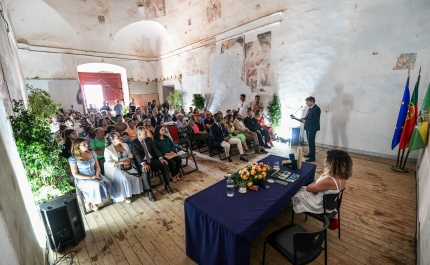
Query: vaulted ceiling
[[143, 28]]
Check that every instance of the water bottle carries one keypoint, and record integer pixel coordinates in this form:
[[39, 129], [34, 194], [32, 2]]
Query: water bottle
[[230, 186]]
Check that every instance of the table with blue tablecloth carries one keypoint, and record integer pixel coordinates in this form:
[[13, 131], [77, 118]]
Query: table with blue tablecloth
[[220, 229]]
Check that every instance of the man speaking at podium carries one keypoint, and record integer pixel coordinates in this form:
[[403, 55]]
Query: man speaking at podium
[[312, 125]]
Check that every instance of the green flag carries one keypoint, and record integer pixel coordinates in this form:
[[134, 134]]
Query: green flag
[[421, 131]]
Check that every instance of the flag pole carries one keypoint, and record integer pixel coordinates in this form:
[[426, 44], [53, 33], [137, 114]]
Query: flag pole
[[398, 156], [401, 159], [406, 159]]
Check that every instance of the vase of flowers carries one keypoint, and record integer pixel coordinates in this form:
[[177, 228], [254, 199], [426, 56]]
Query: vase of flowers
[[252, 174]]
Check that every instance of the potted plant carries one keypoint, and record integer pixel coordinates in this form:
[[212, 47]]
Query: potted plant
[[198, 101], [175, 99], [274, 111], [46, 171]]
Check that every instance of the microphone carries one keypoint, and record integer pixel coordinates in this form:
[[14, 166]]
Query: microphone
[[297, 110]]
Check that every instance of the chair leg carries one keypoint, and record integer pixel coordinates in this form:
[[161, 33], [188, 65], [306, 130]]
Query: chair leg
[[338, 229], [325, 249], [264, 252], [292, 218]]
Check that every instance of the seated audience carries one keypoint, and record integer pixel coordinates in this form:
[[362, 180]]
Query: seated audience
[[120, 126], [337, 169], [70, 124], [119, 169], [147, 157], [110, 129], [90, 134], [155, 117], [191, 120], [98, 146], [126, 138], [68, 136], [221, 138], [208, 120], [166, 146], [167, 133], [54, 125], [260, 120], [86, 170], [167, 116], [131, 130], [250, 135], [252, 124], [200, 130], [150, 129], [233, 133], [103, 125]]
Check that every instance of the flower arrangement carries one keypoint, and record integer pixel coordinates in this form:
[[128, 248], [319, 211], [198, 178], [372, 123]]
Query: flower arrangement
[[252, 174]]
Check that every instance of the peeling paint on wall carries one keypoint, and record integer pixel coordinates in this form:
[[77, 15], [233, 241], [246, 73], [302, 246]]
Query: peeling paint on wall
[[213, 10], [406, 61], [236, 46], [154, 8], [257, 62]]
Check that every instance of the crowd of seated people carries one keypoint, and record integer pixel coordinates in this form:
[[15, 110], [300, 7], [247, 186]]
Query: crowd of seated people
[[108, 151]]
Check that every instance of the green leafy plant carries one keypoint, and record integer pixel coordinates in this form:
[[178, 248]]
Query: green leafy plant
[[198, 101], [40, 103], [274, 111], [46, 171], [175, 99]]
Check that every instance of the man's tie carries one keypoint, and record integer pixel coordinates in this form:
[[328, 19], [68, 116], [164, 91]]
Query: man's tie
[[148, 160], [308, 112]]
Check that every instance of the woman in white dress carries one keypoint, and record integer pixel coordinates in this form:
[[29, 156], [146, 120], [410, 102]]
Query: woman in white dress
[[338, 168], [119, 170]]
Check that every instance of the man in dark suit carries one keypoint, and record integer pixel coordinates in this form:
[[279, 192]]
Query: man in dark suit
[[312, 125], [156, 116], [252, 124], [221, 138], [147, 157]]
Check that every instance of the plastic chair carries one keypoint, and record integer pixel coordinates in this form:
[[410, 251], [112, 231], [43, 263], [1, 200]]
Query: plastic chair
[[297, 245], [331, 204]]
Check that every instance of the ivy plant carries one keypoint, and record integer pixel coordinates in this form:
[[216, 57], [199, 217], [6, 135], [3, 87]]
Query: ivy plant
[[46, 170], [198, 101], [175, 99], [274, 111]]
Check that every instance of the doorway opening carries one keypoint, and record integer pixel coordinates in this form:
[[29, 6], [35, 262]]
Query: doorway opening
[[93, 96]]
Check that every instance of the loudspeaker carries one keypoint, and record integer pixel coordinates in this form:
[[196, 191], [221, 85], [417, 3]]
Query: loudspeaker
[[63, 221], [295, 137]]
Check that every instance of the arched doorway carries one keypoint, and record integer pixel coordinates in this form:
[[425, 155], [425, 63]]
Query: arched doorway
[[103, 75]]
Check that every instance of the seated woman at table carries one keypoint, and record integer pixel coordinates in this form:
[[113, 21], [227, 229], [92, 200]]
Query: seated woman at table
[[86, 170], [166, 146], [233, 132], [119, 169], [338, 168]]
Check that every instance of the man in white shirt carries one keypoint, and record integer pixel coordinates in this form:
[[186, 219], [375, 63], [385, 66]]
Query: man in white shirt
[[243, 105], [55, 125]]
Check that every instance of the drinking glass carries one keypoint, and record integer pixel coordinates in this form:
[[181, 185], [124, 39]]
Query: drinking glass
[[276, 165], [242, 187]]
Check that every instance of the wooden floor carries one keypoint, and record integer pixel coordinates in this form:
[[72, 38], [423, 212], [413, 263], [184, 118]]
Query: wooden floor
[[378, 219]]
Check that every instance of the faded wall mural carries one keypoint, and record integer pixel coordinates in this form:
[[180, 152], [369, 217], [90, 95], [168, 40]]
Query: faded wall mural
[[237, 47], [213, 10], [257, 62], [406, 61], [154, 8]]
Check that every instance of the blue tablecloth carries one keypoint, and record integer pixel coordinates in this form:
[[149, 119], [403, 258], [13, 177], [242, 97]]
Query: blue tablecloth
[[220, 229]]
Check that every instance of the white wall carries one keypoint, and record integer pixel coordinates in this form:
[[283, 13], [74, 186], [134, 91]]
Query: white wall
[[342, 53], [143, 87], [423, 186], [21, 230], [61, 91]]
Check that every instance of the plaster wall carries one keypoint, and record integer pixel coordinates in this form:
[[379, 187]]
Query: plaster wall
[[342, 53], [423, 186], [61, 91], [21, 230], [143, 87]]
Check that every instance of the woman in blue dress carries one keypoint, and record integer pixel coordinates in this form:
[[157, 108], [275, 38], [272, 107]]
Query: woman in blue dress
[[119, 169], [86, 170]]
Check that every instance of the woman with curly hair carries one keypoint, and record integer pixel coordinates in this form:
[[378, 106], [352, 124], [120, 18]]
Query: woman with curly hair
[[338, 168], [86, 170]]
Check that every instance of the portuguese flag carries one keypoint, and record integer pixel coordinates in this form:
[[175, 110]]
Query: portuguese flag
[[421, 132], [411, 118]]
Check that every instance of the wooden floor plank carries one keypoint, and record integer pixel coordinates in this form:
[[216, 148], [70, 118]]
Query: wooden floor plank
[[378, 218]]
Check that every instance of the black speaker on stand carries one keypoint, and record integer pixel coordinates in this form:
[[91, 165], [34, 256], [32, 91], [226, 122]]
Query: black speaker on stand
[[63, 221]]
